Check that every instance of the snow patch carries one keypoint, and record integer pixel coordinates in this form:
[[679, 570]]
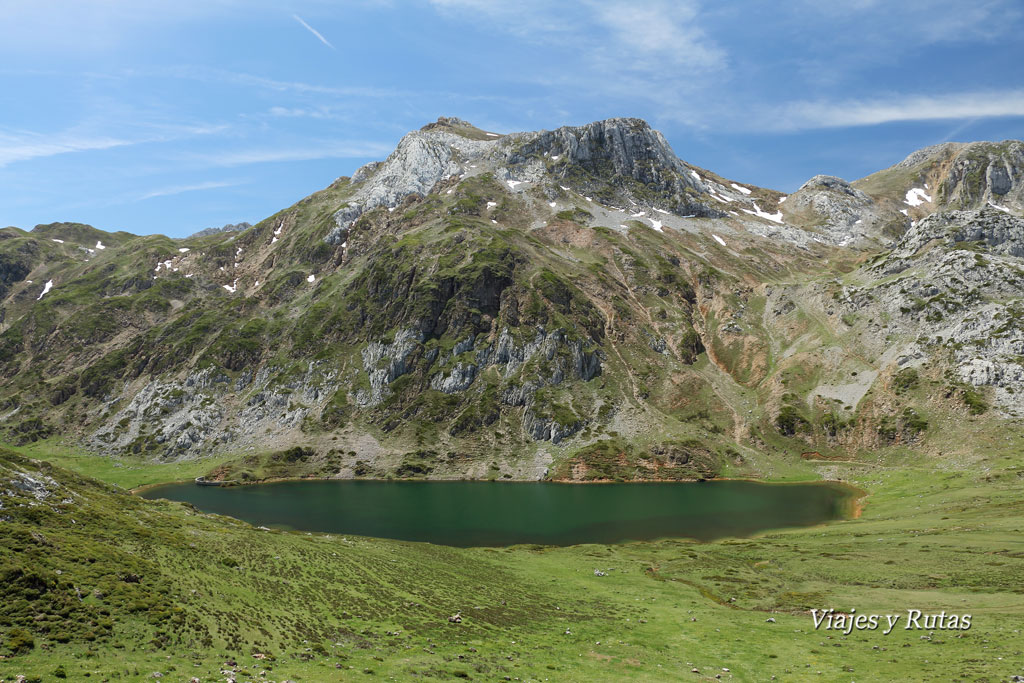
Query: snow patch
[[46, 288], [656, 224], [782, 199], [904, 212], [494, 221], [57, 241], [311, 278], [776, 217], [491, 205], [695, 174], [99, 245], [1001, 208], [564, 188], [552, 204], [556, 157], [718, 239], [917, 196], [493, 135], [667, 213], [184, 250], [233, 287], [512, 183], [740, 188], [638, 214]]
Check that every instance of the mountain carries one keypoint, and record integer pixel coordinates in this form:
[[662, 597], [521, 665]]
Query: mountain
[[230, 227], [571, 304]]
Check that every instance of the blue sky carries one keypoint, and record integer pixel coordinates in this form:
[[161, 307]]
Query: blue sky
[[172, 116]]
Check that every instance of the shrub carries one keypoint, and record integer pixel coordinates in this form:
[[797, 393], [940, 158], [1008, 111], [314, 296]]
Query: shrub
[[19, 640], [790, 421], [905, 379], [975, 402]]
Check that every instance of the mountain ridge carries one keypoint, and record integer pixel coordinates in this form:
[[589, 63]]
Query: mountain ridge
[[576, 304]]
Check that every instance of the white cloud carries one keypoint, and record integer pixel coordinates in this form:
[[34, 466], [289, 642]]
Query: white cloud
[[327, 150], [26, 146], [669, 31], [916, 22], [605, 33], [841, 114], [313, 31], [180, 189]]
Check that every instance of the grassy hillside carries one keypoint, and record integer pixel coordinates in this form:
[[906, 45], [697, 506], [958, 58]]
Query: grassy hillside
[[106, 584]]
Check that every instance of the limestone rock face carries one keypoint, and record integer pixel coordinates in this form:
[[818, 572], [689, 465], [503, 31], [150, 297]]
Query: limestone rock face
[[1002, 233], [958, 175], [604, 150], [983, 173], [421, 160], [841, 213]]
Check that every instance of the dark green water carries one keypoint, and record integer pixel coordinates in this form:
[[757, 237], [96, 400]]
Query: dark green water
[[472, 513]]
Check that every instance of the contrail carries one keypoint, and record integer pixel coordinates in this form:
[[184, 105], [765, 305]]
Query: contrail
[[313, 31]]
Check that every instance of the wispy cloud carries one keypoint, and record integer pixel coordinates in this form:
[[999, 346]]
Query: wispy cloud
[[327, 150], [207, 74], [666, 31], [632, 32], [18, 146], [26, 146], [181, 189], [869, 112], [313, 31]]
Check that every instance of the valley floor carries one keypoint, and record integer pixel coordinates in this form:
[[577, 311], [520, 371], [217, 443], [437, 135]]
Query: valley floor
[[212, 591]]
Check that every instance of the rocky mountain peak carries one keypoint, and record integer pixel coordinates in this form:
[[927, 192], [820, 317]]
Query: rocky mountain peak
[[619, 158], [841, 213], [954, 175]]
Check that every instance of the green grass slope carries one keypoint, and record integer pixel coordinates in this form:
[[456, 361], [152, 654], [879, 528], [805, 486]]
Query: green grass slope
[[102, 584]]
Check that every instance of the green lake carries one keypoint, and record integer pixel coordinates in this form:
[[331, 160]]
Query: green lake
[[476, 513]]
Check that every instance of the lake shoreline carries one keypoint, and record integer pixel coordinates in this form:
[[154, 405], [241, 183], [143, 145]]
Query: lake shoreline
[[410, 510]]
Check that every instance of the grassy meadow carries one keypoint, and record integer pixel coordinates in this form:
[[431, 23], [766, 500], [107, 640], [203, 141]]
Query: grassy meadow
[[102, 585]]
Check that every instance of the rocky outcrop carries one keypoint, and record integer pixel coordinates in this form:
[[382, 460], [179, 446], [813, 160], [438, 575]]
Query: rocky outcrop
[[199, 412], [384, 363], [459, 379], [590, 158], [547, 428], [983, 172], [561, 359], [997, 231], [838, 212], [421, 160], [230, 227], [12, 269], [168, 416], [960, 175]]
